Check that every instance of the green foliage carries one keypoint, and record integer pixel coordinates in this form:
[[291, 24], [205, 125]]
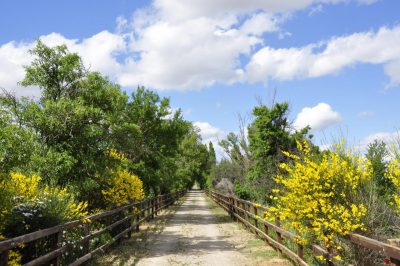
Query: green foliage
[[269, 135], [92, 145], [55, 70], [80, 117], [377, 154], [241, 190], [253, 160], [212, 159], [195, 160]]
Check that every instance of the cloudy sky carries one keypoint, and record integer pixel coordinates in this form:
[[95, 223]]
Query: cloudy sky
[[337, 62]]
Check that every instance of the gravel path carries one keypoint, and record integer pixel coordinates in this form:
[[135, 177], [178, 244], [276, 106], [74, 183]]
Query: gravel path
[[193, 236], [197, 232]]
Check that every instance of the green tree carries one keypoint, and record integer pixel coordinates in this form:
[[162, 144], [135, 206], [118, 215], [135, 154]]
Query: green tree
[[74, 119], [156, 134], [269, 135], [377, 154], [57, 71], [81, 117], [212, 157]]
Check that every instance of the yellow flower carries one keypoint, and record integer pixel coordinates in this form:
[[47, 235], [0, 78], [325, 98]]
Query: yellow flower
[[124, 188], [314, 195], [25, 186]]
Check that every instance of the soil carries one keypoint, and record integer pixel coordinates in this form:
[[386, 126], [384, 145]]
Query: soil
[[195, 232]]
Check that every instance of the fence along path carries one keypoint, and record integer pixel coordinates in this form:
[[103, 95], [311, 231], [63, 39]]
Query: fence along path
[[248, 213], [129, 218], [196, 235]]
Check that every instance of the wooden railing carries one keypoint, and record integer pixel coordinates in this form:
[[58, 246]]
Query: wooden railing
[[250, 214], [132, 216]]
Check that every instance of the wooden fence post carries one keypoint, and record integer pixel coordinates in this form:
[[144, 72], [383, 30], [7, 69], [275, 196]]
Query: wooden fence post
[[153, 202], [143, 209], [255, 218], [137, 218], [300, 251], [130, 212], [231, 206], [236, 205], [59, 237], [246, 216], [156, 205], [86, 232], [266, 231], [4, 258], [279, 235], [149, 209]]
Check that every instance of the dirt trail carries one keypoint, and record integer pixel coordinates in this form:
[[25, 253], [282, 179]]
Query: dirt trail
[[198, 233]]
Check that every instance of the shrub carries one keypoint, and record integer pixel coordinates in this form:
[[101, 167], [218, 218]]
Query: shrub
[[123, 189], [30, 207], [317, 196], [393, 174]]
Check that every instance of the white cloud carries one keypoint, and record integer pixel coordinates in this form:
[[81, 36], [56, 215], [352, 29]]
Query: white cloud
[[388, 137], [283, 34], [368, 2], [279, 64], [325, 147], [318, 117], [212, 134], [224, 31], [392, 69], [365, 114], [200, 58], [315, 9], [12, 57], [208, 132], [379, 47], [182, 9], [260, 23], [122, 24], [98, 53], [182, 45]]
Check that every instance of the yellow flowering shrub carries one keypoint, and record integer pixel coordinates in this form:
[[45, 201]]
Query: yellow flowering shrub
[[15, 189], [22, 185], [23, 189], [28, 206], [315, 198], [72, 209], [393, 173], [124, 189]]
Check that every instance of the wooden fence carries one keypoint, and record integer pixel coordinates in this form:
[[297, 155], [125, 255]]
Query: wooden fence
[[132, 216], [249, 214]]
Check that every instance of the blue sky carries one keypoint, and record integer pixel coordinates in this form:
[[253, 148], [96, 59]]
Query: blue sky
[[337, 62]]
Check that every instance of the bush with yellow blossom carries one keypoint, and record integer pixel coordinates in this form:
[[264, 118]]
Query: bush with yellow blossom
[[123, 189], [28, 206], [393, 174], [316, 196]]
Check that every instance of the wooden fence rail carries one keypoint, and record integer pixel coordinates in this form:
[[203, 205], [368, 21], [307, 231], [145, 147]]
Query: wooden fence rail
[[248, 213], [132, 216]]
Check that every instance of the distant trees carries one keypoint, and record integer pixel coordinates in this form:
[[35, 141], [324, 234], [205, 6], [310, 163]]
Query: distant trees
[[253, 160]]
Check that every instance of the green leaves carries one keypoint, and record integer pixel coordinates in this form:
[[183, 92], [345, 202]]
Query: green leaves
[[66, 137], [56, 71]]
